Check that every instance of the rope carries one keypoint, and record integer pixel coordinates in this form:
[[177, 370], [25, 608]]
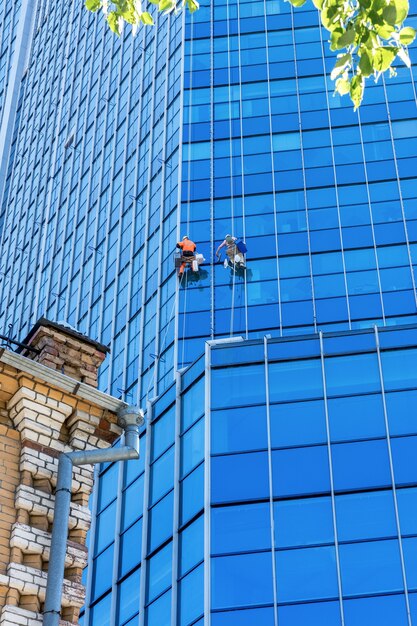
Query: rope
[[161, 349]]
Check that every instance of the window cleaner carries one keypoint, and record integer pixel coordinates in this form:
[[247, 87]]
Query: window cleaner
[[188, 256], [235, 251]]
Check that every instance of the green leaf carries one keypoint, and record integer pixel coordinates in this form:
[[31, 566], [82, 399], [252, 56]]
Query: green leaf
[[357, 87], [297, 3], [318, 4], [93, 5], [347, 38], [166, 5], [113, 22], [401, 7], [385, 30], [330, 18], [193, 5], [365, 63], [383, 57], [342, 86], [407, 35], [403, 54], [340, 65], [146, 18], [390, 14]]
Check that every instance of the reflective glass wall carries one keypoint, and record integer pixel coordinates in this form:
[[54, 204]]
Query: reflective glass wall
[[279, 487]]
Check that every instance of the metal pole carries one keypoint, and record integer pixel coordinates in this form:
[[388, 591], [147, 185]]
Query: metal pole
[[129, 419]]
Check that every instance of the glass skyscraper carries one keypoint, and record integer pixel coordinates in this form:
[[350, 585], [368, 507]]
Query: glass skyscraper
[[277, 483]]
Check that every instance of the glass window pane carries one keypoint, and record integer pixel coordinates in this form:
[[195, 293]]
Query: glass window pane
[[399, 369], [303, 522], [103, 573], [312, 614], [239, 477], [404, 455], [356, 417], [192, 494], [159, 572], [128, 597], [240, 528], [134, 468], [163, 431], [191, 596], [360, 465], [355, 373], [383, 610], [192, 443], [248, 617], [402, 409], [233, 430], [238, 386], [410, 559], [295, 380], [191, 545], [133, 502], [298, 423], [372, 567], [131, 548], [106, 522], [306, 574], [101, 613], [159, 612], [162, 475], [161, 521], [365, 515], [252, 580], [107, 486], [192, 404], [407, 508], [300, 471]]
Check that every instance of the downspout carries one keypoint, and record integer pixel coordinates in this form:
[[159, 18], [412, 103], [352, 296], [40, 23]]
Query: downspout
[[130, 419]]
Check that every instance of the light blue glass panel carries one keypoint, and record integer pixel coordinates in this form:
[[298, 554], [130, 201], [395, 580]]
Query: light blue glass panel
[[105, 528], [352, 374], [295, 380], [107, 486], [159, 575], [159, 612], [133, 502], [407, 508], [404, 454], [192, 447], [163, 431], [298, 423], [300, 471], [372, 567], [192, 404], [103, 572], [191, 545], [161, 521], [239, 430], [312, 614], [248, 617], [101, 614], [360, 465], [356, 417], [237, 386], [130, 548], [162, 475], [252, 580], [410, 559], [382, 610], [191, 596], [128, 597], [303, 522], [240, 528], [192, 494], [402, 409], [368, 515], [239, 477], [134, 468], [306, 574], [399, 369]]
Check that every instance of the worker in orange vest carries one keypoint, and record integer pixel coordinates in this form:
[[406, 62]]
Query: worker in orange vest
[[188, 249]]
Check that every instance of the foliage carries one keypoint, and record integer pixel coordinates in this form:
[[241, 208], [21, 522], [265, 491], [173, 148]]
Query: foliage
[[367, 35]]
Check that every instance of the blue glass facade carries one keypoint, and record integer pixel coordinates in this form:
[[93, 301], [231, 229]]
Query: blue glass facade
[[279, 486], [277, 481]]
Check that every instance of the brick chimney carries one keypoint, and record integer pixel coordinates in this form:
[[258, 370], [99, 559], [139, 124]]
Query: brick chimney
[[64, 349], [41, 415]]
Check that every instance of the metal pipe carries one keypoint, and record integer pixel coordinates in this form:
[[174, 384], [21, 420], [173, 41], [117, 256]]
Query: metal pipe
[[130, 419]]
